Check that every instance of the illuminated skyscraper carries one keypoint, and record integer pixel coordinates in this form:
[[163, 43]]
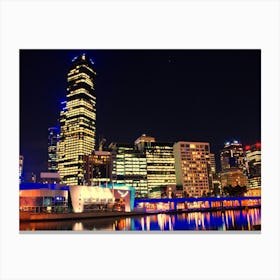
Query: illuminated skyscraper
[[129, 167], [77, 121], [160, 164], [52, 148], [232, 156], [192, 163], [253, 160]]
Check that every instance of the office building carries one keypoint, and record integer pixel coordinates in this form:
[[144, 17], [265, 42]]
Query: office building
[[212, 163], [129, 167], [192, 165], [97, 168], [232, 156], [77, 121], [160, 164], [233, 177], [53, 138], [253, 161], [143, 142], [212, 171]]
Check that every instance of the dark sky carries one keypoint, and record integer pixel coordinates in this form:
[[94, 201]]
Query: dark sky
[[173, 95]]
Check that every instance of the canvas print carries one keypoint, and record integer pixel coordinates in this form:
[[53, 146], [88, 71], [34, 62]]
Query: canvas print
[[147, 140]]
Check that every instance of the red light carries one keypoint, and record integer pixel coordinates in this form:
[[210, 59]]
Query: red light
[[258, 145], [247, 147]]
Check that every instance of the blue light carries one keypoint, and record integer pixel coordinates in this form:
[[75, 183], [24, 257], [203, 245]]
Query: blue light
[[36, 186]]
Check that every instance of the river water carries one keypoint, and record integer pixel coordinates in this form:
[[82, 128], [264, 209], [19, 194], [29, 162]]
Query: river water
[[198, 221]]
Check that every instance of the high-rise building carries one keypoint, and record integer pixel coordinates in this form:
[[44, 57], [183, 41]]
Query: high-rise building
[[77, 121], [232, 156], [253, 161], [52, 148], [20, 168], [97, 168], [129, 167], [233, 165], [192, 164], [212, 163], [143, 142], [212, 171], [160, 164]]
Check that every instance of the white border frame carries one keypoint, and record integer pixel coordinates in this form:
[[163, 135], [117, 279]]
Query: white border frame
[[139, 24]]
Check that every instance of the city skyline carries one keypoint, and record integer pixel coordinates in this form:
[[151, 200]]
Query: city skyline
[[172, 95]]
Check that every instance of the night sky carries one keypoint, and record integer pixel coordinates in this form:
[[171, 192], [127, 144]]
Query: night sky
[[173, 95]]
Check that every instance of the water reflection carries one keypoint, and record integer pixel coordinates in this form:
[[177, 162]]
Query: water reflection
[[78, 226], [198, 221]]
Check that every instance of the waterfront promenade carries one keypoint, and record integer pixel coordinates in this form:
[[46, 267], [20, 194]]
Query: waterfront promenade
[[155, 206]]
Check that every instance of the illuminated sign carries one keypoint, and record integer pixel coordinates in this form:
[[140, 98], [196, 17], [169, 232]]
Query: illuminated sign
[[123, 194]]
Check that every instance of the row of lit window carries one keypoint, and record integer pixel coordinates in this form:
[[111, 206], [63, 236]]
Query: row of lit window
[[77, 75], [87, 133], [75, 116], [79, 102], [157, 160], [73, 141], [85, 66], [77, 92], [81, 110], [160, 178]]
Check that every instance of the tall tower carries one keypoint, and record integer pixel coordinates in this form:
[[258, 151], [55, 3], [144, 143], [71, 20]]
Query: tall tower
[[52, 148], [77, 121]]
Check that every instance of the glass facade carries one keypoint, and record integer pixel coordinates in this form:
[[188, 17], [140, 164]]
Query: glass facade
[[160, 166], [253, 161], [97, 168], [148, 166], [52, 149], [232, 156], [129, 167], [77, 121]]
